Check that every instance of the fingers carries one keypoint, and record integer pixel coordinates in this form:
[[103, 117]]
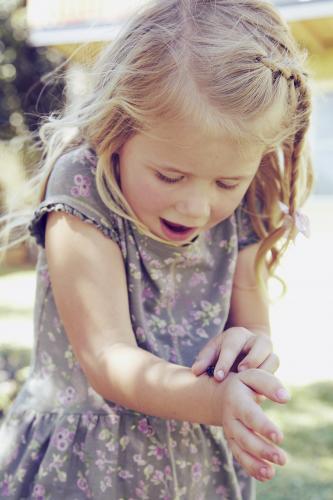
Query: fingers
[[271, 364], [260, 470], [233, 342], [207, 356], [266, 384], [236, 349], [257, 447], [258, 349]]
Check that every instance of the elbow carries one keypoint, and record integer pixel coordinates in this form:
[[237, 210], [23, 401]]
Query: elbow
[[109, 373]]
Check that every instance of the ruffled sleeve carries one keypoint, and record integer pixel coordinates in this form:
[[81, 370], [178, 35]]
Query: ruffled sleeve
[[71, 188], [245, 232]]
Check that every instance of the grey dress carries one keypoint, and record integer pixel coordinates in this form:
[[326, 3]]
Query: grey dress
[[63, 440]]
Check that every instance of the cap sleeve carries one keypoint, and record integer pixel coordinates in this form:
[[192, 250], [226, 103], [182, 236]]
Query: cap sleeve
[[245, 232], [71, 188]]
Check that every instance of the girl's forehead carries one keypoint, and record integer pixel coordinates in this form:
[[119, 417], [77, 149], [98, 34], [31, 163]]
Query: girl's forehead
[[187, 138], [187, 149]]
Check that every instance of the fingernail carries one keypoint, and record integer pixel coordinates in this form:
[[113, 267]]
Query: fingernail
[[219, 374], [275, 437], [242, 368], [283, 394], [265, 473], [276, 459]]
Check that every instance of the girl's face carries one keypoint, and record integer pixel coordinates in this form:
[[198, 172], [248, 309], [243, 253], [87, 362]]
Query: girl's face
[[181, 181]]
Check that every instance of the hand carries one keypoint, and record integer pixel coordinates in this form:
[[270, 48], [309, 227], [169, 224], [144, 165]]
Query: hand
[[252, 437], [236, 349]]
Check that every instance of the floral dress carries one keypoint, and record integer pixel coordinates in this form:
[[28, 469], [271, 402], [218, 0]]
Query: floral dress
[[60, 438]]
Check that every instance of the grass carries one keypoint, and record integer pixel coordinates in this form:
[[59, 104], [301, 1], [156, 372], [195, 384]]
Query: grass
[[307, 423], [307, 420]]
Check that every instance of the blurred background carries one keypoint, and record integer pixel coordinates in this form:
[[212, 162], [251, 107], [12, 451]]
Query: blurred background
[[36, 37]]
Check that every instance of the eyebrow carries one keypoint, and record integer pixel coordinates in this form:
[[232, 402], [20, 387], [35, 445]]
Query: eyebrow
[[232, 178]]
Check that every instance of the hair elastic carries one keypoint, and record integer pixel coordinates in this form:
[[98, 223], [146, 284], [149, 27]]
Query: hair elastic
[[298, 220]]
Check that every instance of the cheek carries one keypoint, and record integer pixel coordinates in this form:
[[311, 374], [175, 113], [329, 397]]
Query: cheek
[[143, 196], [227, 205]]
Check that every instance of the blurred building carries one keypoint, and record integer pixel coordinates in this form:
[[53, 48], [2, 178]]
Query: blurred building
[[89, 24]]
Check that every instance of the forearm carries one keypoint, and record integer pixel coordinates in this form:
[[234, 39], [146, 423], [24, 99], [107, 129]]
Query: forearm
[[139, 380]]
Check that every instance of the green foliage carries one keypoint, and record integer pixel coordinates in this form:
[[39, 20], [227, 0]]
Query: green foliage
[[14, 368], [23, 95], [307, 423]]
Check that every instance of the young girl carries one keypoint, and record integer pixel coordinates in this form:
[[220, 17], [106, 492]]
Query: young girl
[[159, 222]]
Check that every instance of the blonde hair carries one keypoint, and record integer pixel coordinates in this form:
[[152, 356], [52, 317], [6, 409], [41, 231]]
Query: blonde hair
[[229, 65]]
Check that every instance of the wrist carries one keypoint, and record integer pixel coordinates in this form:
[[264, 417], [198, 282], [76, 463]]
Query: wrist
[[219, 398]]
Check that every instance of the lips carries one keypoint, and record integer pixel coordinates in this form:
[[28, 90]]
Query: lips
[[176, 231], [176, 227]]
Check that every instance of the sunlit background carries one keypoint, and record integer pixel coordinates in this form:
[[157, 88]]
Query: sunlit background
[[37, 36]]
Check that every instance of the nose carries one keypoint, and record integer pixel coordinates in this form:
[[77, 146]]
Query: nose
[[195, 207]]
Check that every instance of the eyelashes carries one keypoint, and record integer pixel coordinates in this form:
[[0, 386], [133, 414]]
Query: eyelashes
[[221, 185], [173, 180], [170, 180]]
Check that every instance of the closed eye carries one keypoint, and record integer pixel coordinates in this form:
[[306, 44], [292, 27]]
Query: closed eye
[[170, 180], [223, 185]]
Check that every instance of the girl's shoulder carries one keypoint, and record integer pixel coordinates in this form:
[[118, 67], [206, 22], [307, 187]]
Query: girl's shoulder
[[71, 188], [73, 170], [246, 234]]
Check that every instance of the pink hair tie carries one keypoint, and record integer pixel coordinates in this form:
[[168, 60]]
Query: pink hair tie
[[299, 220]]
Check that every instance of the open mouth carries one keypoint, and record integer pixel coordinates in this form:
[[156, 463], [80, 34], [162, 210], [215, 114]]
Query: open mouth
[[176, 231]]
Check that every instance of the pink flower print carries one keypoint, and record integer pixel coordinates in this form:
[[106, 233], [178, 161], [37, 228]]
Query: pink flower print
[[173, 357], [82, 186], [173, 425], [45, 276], [141, 491], [147, 293], [223, 289], [78, 451], [202, 333], [196, 279], [177, 330], [82, 484], [140, 334], [108, 481], [196, 471], [157, 451], [145, 428], [68, 396], [185, 428], [62, 439], [38, 492], [168, 472], [193, 448], [139, 460], [89, 420], [222, 490], [216, 463], [91, 158], [125, 474], [5, 488], [157, 477], [112, 418]]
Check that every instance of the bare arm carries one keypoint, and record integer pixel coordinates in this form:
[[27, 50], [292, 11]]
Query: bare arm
[[245, 343], [248, 307], [89, 284]]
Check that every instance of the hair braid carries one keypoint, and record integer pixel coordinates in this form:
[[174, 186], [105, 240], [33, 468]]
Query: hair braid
[[287, 185]]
